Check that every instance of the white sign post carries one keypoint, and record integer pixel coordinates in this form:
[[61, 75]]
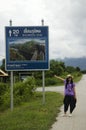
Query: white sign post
[[11, 78], [43, 77]]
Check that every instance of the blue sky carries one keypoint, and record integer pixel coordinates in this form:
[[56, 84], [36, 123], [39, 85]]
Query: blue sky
[[66, 20]]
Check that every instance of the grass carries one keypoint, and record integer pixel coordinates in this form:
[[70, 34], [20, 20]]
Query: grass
[[33, 115]]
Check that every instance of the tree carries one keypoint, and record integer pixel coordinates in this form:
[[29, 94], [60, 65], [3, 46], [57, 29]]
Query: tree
[[57, 67], [78, 69], [3, 65], [70, 69]]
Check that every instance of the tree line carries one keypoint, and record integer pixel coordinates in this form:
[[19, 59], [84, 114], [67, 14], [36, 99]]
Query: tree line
[[56, 68], [25, 90]]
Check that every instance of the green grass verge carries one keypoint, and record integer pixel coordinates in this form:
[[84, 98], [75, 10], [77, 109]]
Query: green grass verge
[[33, 115]]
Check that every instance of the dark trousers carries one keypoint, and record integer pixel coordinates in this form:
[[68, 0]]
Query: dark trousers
[[69, 101]]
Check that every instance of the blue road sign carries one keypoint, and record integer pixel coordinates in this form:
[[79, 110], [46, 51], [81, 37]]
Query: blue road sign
[[27, 48]]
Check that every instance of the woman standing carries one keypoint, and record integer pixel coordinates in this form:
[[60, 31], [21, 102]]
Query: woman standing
[[69, 94]]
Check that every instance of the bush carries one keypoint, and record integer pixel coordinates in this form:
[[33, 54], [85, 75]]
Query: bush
[[5, 100], [3, 89], [50, 81], [23, 91], [39, 82]]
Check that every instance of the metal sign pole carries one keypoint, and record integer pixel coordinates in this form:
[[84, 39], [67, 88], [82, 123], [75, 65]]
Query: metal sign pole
[[11, 90], [43, 76], [43, 80], [11, 105]]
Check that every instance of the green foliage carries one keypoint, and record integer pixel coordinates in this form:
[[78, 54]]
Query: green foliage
[[3, 65], [23, 92], [33, 115], [57, 67], [39, 82], [3, 89], [5, 100], [51, 81], [70, 69], [77, 69]]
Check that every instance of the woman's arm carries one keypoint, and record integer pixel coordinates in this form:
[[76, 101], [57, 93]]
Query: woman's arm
[[59, 77]]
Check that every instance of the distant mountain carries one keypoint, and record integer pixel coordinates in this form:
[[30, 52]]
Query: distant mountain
[[76, 62], [0, 62]]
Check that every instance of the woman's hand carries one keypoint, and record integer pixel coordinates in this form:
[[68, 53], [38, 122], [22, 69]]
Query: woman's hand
[[58, 77], [55, 76]]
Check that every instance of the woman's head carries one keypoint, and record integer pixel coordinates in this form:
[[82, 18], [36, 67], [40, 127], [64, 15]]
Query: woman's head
[[69, 75], [69, 78]]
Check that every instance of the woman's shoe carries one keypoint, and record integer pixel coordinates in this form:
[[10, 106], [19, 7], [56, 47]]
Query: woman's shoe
[[70, 115], [64, 115]]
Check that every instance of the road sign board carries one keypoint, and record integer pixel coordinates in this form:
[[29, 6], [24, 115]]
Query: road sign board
[[27, 48]]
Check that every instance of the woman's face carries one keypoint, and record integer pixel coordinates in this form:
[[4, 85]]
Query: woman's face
[[69, 78]]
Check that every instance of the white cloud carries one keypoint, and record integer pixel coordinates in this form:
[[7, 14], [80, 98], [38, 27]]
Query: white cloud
[[66, 20]]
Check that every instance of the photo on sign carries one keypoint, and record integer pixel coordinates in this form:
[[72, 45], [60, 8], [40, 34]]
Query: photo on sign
[[27, 49]]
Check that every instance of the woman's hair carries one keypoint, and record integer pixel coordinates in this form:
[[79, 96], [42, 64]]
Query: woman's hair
[[67, 81]]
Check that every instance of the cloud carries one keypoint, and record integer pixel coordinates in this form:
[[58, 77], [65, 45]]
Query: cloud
[[66, 20], [70, 30]]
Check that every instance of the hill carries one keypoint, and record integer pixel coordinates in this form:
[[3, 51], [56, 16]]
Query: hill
[[0, 62], [75, 62]]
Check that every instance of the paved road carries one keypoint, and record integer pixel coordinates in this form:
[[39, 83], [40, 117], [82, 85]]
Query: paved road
[[78, 119]]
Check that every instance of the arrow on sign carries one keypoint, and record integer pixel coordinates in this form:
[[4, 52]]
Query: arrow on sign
[[10, 32]]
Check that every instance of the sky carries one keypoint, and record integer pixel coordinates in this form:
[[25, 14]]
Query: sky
[[66, 20]]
